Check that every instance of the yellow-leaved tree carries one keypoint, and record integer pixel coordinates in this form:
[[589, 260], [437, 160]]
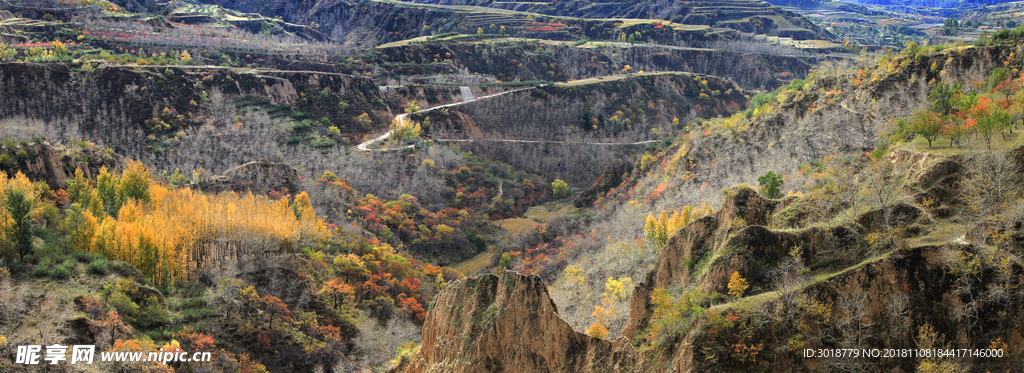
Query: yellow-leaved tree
[[659, 229], [928, 339], [599, 328], [617, 290], [170, 234], [737, 285], [18, 198]]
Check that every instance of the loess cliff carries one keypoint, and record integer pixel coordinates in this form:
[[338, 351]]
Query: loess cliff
[[896, 249], [507, 322]]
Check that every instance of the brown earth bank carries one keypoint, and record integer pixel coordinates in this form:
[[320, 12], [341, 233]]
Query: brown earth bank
[[576, 123], [526, 61], [366, 24], [184, 118], [39, 161], [852, 291], [507, 322]]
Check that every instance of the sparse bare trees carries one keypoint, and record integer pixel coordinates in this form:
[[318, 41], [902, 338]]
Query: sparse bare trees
[[991, 184], [883, 185], [897, 312], [12, 304], [853, 328], [381, 342], [788, 281]]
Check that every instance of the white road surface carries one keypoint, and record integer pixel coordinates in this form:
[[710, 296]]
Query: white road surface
[[401, 120]]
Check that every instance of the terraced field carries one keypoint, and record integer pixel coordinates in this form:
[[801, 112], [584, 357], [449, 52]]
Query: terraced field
[[743, 15], [486, 19]]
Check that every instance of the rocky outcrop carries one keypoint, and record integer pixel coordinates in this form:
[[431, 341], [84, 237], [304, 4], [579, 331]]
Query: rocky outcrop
[[257, 177], [507, 322], [40, 162], [613, 176], [705, 240]]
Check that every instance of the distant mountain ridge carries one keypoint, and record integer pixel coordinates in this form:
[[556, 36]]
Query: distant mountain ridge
[[954, 4]]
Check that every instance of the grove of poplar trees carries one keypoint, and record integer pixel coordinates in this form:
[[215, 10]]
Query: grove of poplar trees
[[171, 234]]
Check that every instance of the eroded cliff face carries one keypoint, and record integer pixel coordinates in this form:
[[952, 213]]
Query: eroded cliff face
[[559, 62], [190, 118], [84, 100], [865, 300], [42, 162], [507, 322], [576, 124], [256, 177]]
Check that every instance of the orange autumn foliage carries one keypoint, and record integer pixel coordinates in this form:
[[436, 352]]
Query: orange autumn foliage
[[338, 291], [413, 308], [193, 341], [144, 346]]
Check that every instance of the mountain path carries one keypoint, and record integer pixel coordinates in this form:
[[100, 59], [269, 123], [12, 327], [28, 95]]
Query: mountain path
[[365, 146]]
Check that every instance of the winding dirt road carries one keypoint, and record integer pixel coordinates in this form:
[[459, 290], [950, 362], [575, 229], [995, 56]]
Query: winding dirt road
[[401, 120]]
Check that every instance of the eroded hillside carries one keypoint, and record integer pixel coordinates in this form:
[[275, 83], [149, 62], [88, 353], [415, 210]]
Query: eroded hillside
[[359, 22], [892, 243]]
